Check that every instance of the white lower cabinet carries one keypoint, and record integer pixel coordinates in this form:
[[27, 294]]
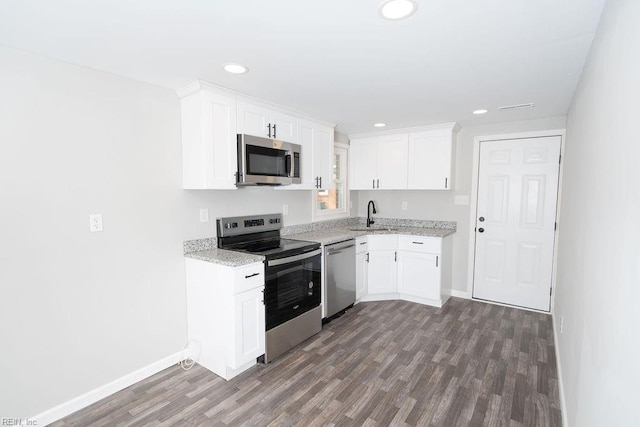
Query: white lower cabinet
[[412, 268], [225, 315], [362, 266], [382, 271]]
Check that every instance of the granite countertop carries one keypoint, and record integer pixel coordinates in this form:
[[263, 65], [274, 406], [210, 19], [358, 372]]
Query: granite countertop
[[224, 257], [325, 233], [333, 235]]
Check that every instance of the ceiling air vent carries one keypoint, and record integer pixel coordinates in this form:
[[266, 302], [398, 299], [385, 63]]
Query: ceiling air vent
[[516, 107]]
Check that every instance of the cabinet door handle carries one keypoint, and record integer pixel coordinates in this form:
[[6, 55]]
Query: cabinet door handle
[[436, 260], [418, 243], [251, 275], [373, 183], [269, 130], [367, 256], [446, 181], [378, 181], [395, 256], [320, 182], [363, 243], [274, 130]]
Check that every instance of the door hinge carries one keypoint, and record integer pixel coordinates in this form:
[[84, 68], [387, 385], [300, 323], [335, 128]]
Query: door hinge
[[550, 291], [560, 159]]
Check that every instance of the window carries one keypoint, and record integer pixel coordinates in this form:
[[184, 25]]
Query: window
[[334, 203]]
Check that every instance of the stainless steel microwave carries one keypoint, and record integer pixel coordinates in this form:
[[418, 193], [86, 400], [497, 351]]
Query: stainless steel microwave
[[263, 161]]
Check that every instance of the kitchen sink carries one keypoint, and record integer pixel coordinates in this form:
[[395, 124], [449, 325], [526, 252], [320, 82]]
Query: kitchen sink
[[372, 229]]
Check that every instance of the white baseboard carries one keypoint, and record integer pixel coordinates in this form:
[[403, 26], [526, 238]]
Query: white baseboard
[[56, 413], [460, 294], [563, 404]]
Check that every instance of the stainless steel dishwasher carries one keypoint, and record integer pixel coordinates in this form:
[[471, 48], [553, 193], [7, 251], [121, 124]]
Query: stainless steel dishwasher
[[340, 276]]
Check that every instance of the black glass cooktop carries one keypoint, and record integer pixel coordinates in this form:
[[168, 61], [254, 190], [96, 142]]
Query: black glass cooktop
[[273, 246]]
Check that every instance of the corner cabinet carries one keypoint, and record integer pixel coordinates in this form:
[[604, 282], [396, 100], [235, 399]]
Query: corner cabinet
[[379, 163], [411, 268], [209, 159], [225, 315], [414, 159]]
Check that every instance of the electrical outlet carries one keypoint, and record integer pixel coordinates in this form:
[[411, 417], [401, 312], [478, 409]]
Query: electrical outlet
[[204, 215], [561, 323], [95, 223], [461, 200], [404, 206], [285, 209]]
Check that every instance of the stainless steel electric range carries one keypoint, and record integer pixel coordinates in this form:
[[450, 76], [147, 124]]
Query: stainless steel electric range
[[293, 279]]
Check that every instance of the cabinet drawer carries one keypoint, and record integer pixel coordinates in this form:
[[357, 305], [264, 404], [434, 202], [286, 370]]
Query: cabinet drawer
[[420, 244], [362, 245], [386, 242], [248, 277]]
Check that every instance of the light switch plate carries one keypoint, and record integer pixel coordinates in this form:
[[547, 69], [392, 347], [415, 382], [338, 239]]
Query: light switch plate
[[404, 206], [461, 200], [204, 215], [95, 223]]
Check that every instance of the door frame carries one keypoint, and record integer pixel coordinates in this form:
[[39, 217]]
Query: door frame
[[473, 211]]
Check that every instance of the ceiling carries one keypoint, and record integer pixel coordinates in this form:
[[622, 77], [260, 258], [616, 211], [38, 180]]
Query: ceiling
[[336, 59]]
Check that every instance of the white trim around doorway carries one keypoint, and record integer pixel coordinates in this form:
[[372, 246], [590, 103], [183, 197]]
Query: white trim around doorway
[[474, 201]]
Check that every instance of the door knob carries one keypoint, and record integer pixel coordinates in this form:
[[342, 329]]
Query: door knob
[[481, 230], [481, 219]]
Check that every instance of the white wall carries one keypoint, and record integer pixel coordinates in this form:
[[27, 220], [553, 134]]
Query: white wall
[[438, 205], [599, 242], [81, 309]]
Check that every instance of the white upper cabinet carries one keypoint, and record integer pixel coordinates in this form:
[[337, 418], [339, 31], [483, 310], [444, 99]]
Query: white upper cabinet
[[363, 163], [379, 163], [414, 159], [431, 155], [392, 162], [208, 141], [213, 116], [260, 121], [316, 169]]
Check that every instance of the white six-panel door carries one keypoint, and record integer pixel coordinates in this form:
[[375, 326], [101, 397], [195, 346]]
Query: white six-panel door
[[515, 221]]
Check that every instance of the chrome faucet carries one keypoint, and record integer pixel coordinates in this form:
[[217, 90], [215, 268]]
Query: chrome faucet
[[369, 213]]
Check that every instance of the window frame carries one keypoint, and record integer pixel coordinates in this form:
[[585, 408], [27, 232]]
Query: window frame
[[323, 215]]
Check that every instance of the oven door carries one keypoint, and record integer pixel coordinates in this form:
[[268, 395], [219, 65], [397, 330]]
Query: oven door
[[264, 161], [292, 287]]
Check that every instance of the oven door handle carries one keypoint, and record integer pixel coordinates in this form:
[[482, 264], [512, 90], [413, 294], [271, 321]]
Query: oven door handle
[[287, 260]]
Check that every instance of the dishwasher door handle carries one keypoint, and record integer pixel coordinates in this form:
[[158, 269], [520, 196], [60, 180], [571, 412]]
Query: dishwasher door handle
[[338, 251]]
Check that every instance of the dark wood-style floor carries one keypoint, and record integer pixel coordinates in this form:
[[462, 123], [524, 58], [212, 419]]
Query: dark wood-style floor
[[382, 363]]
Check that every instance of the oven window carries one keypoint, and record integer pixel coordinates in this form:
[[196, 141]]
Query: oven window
[[291, 289], [266, 161]]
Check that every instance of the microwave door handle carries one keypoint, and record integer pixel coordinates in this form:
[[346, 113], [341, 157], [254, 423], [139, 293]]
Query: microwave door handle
[[288, 165]]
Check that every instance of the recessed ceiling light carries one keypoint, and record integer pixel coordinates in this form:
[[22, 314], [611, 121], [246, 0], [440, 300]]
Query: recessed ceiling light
[[235, 68], [397, 9], [379, 125], [482, 111]]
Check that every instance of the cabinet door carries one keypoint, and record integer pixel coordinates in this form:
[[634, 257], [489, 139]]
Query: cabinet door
[[249, 327], [382, 272], [252, 119], [286, 126], [392, 162], [419, 274], [323, 157], [362, 265], [430, 156], [363, 163], [208, 141]]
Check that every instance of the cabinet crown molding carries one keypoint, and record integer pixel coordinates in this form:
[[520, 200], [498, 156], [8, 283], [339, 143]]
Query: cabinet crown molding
[[452, 127], [201, 85]]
